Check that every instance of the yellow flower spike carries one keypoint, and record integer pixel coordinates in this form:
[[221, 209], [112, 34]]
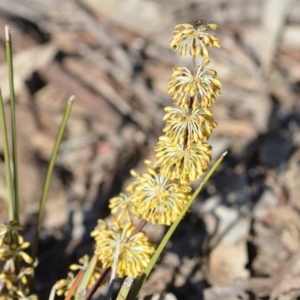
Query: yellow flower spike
[[160, 194]]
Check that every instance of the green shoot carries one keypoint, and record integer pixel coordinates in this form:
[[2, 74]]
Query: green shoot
[[50, 172]]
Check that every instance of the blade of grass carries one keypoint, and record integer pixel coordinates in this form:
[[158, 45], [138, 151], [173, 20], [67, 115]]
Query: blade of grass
[[49, 174], [7, 160], [125, 288], [81, 291], [171, 230], [9, 57]]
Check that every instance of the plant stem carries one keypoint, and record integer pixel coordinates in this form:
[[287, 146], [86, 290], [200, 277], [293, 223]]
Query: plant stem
[[102, 278], [139, 227], [9, 57], [80, 293], [7, 160], [49, 174]]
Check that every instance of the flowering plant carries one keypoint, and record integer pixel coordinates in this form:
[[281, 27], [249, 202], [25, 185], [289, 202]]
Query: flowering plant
[[161, 195]]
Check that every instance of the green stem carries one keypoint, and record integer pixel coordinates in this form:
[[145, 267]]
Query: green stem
[[7, 160], [125, 288], [80, 293], [49, 174], [171, 230], [9, 57]]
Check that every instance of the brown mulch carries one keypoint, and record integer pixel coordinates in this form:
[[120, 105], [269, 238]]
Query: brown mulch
[[241, 239]]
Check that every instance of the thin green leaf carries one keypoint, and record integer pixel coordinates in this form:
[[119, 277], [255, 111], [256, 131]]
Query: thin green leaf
[[50, 172], [7, 161], [125, 288], [15, 179], [81, 291]]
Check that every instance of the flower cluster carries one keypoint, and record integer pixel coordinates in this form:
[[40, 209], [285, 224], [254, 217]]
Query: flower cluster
[[133, 250], [161, 193], [16, 266], [194, 39], [156, 198], [183, 152]]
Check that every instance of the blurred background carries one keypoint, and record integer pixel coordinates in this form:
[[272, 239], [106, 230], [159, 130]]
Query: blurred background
[[241, 239]]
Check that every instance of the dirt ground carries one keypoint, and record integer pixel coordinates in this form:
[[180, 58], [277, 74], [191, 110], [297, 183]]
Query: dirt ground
[[241, 239]]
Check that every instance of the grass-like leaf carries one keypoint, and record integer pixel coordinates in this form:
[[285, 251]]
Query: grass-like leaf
[[14, 215], [125, 288], [10, 187], [82, 287], [49, 174]]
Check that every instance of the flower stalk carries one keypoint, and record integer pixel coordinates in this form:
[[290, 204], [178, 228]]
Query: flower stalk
[[162, 194], [9, 57]]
